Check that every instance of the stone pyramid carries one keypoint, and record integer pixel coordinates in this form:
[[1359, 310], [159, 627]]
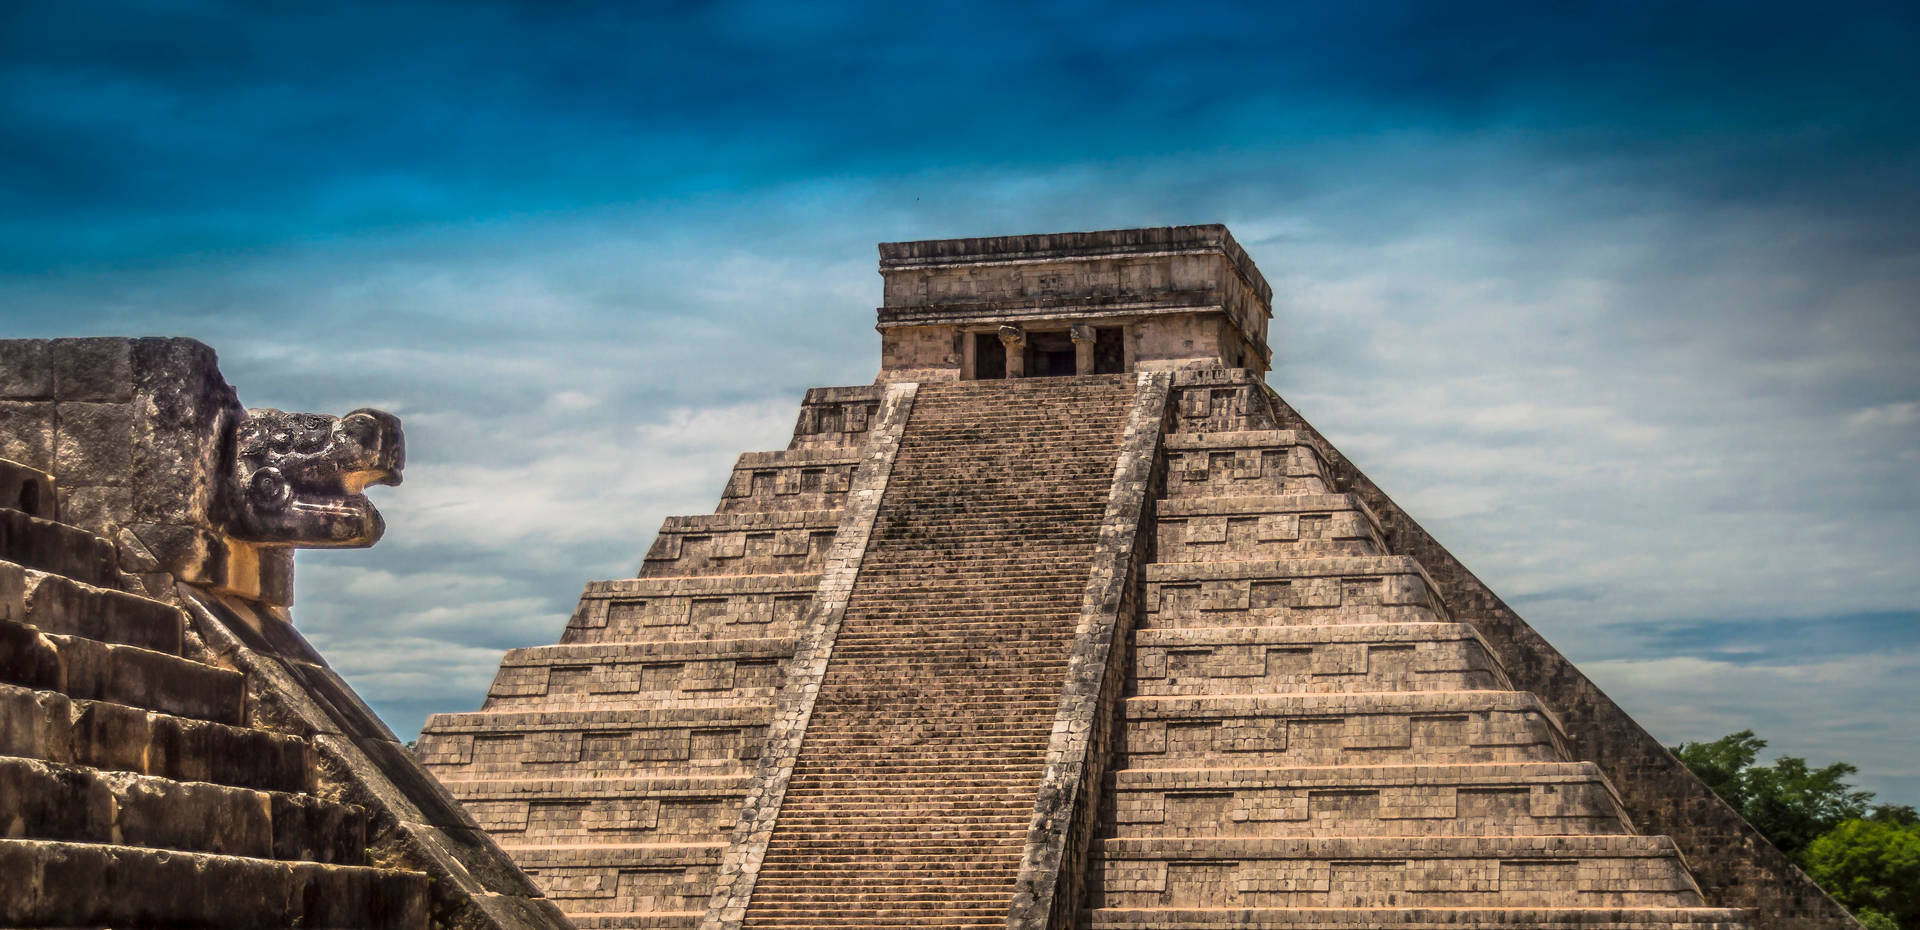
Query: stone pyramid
[[1069, 620]]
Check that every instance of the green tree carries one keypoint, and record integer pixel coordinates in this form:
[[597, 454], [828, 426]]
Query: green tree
[[1897, 814], [1874, 920], [1867, 858], [1789, 802], [1870, 866], [1723, 763]]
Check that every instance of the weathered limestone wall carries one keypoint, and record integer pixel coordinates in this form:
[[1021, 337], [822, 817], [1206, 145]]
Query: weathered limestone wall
[[134, 427]]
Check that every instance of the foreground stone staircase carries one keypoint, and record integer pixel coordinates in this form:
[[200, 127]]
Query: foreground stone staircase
[[1309, 741], [140, 792], [612, 766], [913, 791]]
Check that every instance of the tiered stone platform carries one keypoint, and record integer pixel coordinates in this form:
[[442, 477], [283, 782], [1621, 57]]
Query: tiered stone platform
[[1309, 739], [137, 791], [613, 765]]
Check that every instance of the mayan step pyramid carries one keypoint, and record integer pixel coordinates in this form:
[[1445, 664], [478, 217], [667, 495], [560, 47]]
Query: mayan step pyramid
[[1069, 620]]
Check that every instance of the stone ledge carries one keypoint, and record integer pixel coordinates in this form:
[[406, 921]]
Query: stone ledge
[[623, 653], [934, 253], [830, 455], [1613, 846], [1307, 635], [776, 520], [713, 585], [659, 786], [521, 722], [1184, 707], [1339, 566], [1236, 504], [1330, 776], [1238, 439], [843, 395], [1417, 918], [650, 855]]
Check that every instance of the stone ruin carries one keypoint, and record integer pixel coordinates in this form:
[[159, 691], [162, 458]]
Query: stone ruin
[[1066, 621], [173, 753]]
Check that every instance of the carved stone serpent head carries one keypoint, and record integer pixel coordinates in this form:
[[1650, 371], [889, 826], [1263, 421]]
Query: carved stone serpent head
[[297, 478]]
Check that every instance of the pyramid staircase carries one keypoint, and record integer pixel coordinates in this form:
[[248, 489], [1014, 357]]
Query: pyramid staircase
[[140, 789], [1308, 739], [911, 798]]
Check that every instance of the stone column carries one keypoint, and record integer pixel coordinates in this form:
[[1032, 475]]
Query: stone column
[[1015, 339], [1082, 348]]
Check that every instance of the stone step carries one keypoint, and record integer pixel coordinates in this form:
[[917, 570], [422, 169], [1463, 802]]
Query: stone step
[[639, 920], [39, 543], [1339, 729], [564, 719], [1417, 918], [1402, 871], [604, 810], [130, 675], [860, 818], [714, 736], [1335, 657], [691, 609], [656, 674], [741, 543], [836, 416], [1532, 799], [86, 885], [1266, 527], [1245, 463], [50, 726], [645, 785], [984, 918], [53, 604], [84, 805], [624, 878], [1290, 592]]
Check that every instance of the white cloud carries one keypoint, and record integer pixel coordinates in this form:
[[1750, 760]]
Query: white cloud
[[1885, 416]]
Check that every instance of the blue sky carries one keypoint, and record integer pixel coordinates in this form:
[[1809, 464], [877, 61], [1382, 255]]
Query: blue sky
[[1620, 299]]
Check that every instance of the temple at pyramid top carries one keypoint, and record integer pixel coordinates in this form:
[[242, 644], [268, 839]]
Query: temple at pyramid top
[[1168, 297]]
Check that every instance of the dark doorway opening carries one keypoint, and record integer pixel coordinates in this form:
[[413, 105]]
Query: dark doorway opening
[[989, 357], [1049, 355], [1109, 350]]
